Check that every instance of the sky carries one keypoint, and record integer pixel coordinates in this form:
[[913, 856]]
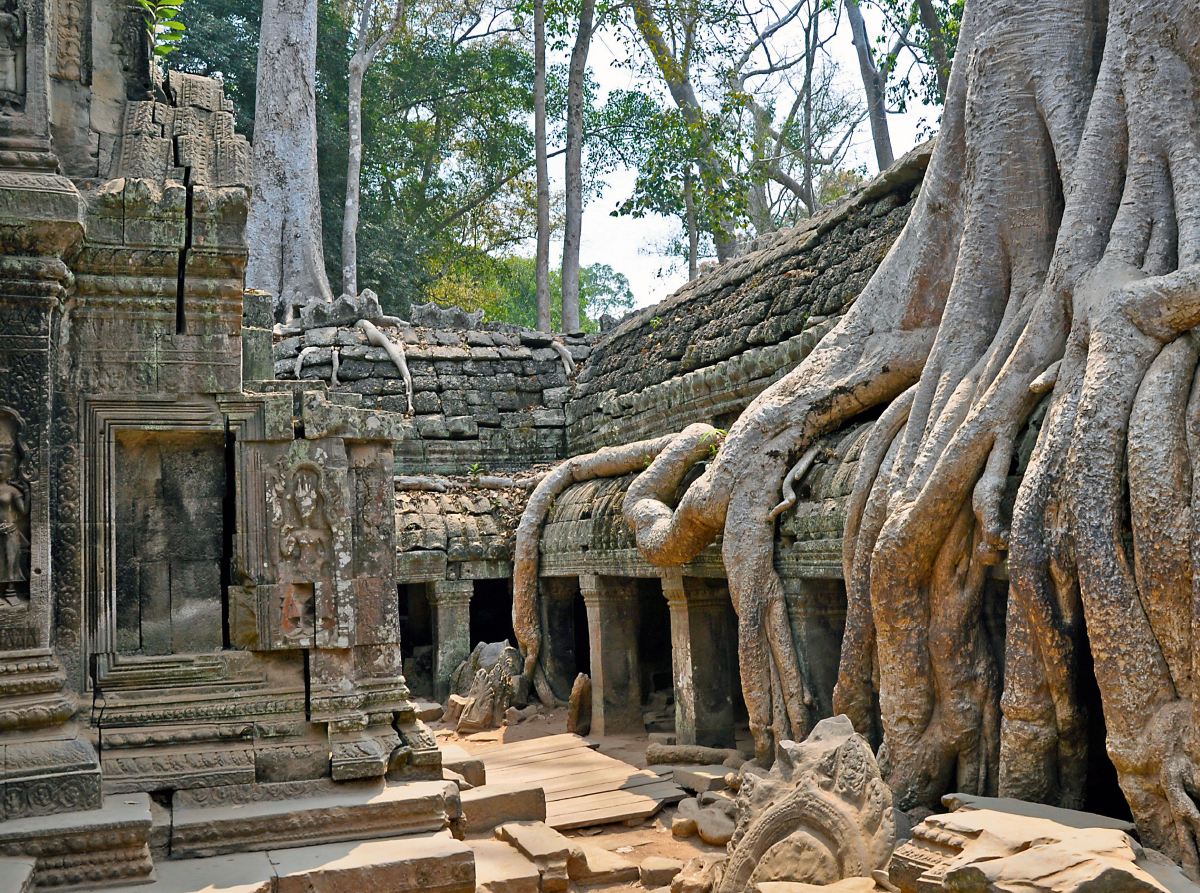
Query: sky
[[627, 244]]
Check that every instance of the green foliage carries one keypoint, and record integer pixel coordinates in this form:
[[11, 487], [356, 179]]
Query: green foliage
[[221, 41], [162, 27], [505, 289], [918, 79]]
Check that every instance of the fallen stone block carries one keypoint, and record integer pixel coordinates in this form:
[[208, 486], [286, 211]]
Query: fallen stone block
[[490, 805], [456, 759], [699, 779], [429, 711], [432, 863], [683, 826], [689, 754], [454, 709], [655, 871], [548, 849], [590, 864], [500, 868]]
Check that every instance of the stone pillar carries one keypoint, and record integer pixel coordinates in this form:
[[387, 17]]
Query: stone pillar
[[557, 608], [703, 658], [451, 604], [817, 613], [612, 611]]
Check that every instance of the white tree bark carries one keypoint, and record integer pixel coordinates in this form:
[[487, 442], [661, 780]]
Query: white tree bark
[[284, 228], [574, 168], [543, 174], [364, 55], [874, 85]]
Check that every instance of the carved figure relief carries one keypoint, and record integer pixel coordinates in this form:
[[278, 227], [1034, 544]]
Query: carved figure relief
[[305, 543], [14, 512], [12, 57]]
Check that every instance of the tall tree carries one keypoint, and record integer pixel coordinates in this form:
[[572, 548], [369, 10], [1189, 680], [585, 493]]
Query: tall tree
[[574, 166], [543, 173], [874, 77], [284, 228], [365, 51]]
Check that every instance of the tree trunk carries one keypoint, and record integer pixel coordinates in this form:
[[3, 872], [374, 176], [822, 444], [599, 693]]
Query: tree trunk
[[937, 44], [284, 226], [542, 263], [874, 85], [353, 178], [689, 204], [574, 168]]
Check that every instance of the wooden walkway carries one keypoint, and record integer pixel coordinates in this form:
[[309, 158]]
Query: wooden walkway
[[583, 787]]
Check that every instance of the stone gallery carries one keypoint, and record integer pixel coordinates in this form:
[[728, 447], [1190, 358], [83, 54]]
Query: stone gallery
[[878, 539]]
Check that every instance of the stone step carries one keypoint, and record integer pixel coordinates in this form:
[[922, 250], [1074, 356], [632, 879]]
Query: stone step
[[594, 865], [91, 848], [456, 759], [244, 818], [16, 875], [499, 868], [431, 863]]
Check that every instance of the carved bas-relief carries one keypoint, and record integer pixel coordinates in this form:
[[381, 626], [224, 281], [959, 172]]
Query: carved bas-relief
[[305, 549], [14, 513], [823, 813], [12, 57]]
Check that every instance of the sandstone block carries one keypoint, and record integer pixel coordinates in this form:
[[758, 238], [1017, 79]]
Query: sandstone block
[[593, 865], [16, 875], [698, 779], [657, 871], [499, 868], [683, 826], [238, 873], [427, 862], [537, 840], [458, 760], [486, 807]]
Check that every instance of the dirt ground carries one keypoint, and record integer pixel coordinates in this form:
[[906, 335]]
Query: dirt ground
[[650, 838]]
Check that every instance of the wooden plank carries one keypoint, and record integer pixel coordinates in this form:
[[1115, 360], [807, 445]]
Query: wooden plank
[[536, 745], [595, 801], [665, 793], [602, 816], [579, 753], [614, 777], [554, 770], [594, 787]]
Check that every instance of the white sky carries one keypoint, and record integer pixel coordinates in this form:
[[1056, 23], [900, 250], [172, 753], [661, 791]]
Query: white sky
[[627, 244]]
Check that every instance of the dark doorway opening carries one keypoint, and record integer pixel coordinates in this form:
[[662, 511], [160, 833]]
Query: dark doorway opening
[[1104, 795], [583, 642], [491, 612], [416, 637], [654, 643]]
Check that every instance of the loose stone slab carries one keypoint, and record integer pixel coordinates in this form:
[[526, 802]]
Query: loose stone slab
[[456, 759], [499, 868], [490, 805], [593, 865], [432, 863], [659, 872], [258, 817], [699, 779], [537, 840]]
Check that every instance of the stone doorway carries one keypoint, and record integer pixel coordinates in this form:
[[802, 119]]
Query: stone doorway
[[491, 612]]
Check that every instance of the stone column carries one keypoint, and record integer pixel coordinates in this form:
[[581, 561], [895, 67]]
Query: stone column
[[451, 604], [557, 609], [612, 612], [703, 658], [817, 613]]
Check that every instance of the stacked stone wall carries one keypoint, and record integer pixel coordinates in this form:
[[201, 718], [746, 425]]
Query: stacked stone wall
[[706, 352], [483, 401]]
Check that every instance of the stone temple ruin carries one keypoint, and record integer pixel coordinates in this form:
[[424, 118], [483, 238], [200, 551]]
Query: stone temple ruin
[[238, 559]]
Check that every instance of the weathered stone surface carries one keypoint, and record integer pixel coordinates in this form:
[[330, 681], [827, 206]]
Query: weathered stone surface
[[495, 804], [104, 846], [469, 767], [548, 849], [209, 822], [579, 707], [16, 874], [590, 864], [657, 871], [435, 862], [698, 779], [822, 813], [490, 691], [847, 885], [500, 868], [240, 873], [977, 849]]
